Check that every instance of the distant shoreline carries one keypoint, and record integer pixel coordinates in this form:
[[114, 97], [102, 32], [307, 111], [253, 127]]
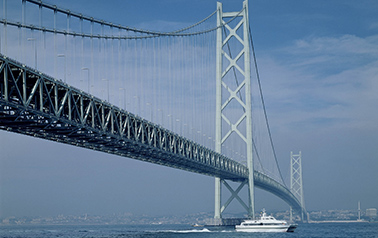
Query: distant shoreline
[[339, 221]]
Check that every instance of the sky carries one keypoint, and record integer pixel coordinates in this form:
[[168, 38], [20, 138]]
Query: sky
[[318, 64]]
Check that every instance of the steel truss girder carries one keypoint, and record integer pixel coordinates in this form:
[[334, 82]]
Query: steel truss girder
[[35, 104]]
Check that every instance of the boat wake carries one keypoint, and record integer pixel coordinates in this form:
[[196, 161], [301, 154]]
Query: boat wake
[[186, 231]]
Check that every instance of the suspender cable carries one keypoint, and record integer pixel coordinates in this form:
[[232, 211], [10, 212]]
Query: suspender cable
[[5, 28], [263, 104]]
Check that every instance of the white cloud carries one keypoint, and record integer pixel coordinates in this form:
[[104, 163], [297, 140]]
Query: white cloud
[[324, 82], [346, 44]]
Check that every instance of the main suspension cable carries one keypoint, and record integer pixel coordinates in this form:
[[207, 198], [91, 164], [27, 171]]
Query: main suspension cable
[[263, 105], [104, 23]]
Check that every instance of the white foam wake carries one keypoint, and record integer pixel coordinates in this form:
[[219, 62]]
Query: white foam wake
[[187, 231]]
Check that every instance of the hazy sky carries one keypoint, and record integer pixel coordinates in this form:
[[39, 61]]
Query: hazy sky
[[318, 64]]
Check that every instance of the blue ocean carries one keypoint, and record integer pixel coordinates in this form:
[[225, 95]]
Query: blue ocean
[[322, 230]]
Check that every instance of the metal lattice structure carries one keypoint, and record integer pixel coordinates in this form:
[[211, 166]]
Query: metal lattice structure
[[296, 183], [35, 104], [225, 64]]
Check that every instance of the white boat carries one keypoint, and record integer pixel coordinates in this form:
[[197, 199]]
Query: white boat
[[265, 224]]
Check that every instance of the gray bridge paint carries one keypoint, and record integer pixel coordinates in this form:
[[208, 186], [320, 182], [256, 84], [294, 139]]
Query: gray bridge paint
[[38, 105]]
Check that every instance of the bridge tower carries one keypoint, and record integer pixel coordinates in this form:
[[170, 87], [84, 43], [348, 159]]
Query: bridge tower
[[296, 184], [231, 96]]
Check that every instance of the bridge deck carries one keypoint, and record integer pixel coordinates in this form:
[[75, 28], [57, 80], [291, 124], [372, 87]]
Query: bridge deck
[[38, 105], [35, 104]]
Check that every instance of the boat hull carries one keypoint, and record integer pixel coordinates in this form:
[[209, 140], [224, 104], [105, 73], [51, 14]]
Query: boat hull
[[263, 228], [292, 228]]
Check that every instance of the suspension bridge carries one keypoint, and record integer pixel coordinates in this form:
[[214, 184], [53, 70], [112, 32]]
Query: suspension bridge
[[146, 95]]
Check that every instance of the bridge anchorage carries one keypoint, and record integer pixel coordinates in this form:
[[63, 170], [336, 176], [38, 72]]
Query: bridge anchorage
[[36, 104]]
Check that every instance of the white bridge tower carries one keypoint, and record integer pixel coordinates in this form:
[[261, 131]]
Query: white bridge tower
[[233, 99], [296, 183]]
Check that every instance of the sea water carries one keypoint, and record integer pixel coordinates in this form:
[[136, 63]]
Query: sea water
[[322, 230]]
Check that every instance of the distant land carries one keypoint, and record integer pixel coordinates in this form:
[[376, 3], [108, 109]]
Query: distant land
[[197, 218]]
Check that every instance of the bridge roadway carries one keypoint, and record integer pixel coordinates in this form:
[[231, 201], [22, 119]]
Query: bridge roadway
[[38, 105]]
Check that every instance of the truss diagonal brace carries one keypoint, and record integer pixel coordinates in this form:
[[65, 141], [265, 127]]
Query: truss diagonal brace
[[234, 194]]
